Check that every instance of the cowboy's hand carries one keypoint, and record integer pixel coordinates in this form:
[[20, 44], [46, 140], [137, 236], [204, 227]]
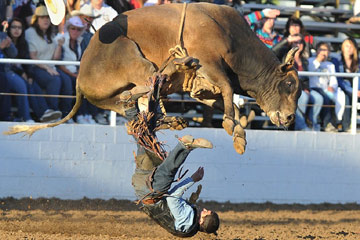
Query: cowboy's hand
[[271, 13], [198, 175], [195, 195]]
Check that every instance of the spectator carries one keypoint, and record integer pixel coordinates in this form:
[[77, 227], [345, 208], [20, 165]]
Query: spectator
[[119, 6], [6, 12], [72, 52], [294, 28], [106, 13], [327, 86], [265, 31], [20, 75], [43, 47], [349, 63], [23, 9], [308, 96], [87, 16], [14, 82], [5, 105]]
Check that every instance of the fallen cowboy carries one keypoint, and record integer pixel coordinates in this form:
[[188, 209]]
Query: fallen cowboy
[[155, 172]]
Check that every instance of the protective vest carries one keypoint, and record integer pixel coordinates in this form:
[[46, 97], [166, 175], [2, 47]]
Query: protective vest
[[161, 214]]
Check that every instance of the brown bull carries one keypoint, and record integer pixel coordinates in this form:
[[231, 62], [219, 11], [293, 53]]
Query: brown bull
[[227, 58]]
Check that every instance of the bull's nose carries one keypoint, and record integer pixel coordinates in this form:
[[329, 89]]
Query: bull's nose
[[291, 117]]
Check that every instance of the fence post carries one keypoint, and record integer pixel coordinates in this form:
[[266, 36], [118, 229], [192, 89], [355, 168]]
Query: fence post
[[354, 105], [112, 118]]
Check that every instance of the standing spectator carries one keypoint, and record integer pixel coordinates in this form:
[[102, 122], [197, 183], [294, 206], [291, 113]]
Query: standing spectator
[[43, 47], [265, 31], [349, 63], [6, 13], [327, 86], [72, 52], [106, 13], [20, 75]]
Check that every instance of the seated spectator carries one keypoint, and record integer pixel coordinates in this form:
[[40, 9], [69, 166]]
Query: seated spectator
[[43, 47], [265, 31], [119, 6], [294, 28], [20, 76], [349, 63], [327, 86], [106, 13], [72, 52], [87, 16], [5, 105], [308, 96], [14, 82]]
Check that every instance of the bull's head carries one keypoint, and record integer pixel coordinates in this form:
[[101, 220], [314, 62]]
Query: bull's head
[[279, 101]]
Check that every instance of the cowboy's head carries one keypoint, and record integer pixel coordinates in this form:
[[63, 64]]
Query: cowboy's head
[[209, 221]]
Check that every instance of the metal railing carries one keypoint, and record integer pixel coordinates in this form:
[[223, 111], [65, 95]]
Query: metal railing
[[355, 76]]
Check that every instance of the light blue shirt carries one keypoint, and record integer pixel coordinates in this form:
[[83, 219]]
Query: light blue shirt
[[180, 209]]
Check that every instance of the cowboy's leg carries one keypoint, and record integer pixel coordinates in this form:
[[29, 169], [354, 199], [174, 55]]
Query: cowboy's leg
[[165, 173]]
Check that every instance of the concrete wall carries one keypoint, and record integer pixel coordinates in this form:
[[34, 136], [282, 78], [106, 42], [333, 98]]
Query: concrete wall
[[73, 161]]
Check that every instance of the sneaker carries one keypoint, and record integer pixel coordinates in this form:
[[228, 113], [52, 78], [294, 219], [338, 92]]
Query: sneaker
[[190, 142], [30, 121], [90, 119], [80, 119], [330, 128], [101, 119], [50, 115]]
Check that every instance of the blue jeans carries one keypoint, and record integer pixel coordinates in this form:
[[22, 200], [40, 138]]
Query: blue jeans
[[166, 171], [325, 111], [313, 98], [51, 85], [38, 104], [5, 101], [18, 85], [66, 104]]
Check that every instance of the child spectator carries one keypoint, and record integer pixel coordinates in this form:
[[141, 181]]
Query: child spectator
[[327, 86], [21, 75], [43, 47], [106, 13]]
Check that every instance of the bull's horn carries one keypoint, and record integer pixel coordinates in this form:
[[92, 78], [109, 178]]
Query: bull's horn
[[289, 60]]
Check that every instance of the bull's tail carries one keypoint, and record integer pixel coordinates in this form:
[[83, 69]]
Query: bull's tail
[[30, 129]]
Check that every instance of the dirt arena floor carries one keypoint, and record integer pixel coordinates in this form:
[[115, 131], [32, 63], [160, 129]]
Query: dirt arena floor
[[28, 219]]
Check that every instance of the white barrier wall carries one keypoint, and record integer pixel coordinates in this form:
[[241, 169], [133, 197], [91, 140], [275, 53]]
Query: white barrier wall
[[76, 161]]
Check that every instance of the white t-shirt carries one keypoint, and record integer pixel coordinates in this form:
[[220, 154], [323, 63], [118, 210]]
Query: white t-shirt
[[322, 82], [44, 50]]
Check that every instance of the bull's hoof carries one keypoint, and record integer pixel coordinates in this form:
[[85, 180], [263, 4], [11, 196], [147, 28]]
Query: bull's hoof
[[228, 124], [239, 139], [172, 123], [245, 120], [239, 145]]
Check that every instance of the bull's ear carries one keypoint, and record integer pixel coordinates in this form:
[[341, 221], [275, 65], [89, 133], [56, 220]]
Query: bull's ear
[[289, 60]]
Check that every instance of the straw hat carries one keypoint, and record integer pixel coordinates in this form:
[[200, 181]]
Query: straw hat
[[56, 10], [39, 11], [85, 10]]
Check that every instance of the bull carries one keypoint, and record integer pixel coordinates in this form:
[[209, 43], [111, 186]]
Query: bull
[[216, 55]]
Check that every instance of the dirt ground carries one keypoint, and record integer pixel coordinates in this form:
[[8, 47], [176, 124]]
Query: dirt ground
[[28, 219]]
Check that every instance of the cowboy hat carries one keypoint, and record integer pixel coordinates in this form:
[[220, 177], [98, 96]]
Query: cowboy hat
[[39, 12], [56, 10], [85, 10]]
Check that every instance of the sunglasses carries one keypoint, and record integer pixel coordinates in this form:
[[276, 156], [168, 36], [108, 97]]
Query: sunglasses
[[76, 29]]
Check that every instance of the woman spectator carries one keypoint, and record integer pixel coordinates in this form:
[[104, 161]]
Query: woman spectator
[[349, 63], [43, 47], [71, 51], [21, 76]]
